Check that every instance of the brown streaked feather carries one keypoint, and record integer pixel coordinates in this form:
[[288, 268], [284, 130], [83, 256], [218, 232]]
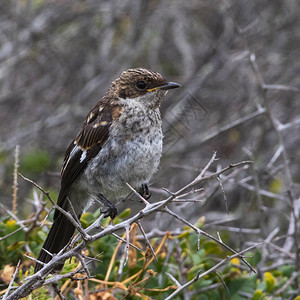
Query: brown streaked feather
[[116, 112], [93, 132], [91, 138]]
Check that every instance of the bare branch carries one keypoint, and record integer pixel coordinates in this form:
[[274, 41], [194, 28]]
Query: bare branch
[[211, 270], [12, 281]]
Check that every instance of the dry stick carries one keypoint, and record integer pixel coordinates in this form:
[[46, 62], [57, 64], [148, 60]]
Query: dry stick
[[276, 265], [190, 193], [267, 240], [73, 213], [199, 231], [83, 264], [36, 260], [15, 186], [235, 123], [147, 263], [127, 228], [90, 258], [137, 194], [154, 233], [224, 194], [88, 229], [96, 225], [261, 192], [14, 217], [10, 234], [112, 260], [57, 278], [277, 128], [288, 174], [39, 206], [174, 279], [294, 220], [214, 175], [222, 281], [274, 122], [236, 229], [293, 124], [146, 239], [257, 187], [288, 283], [274, 157], [207, 288], [58, 291], [280, 87], [281, 250], [46, 217], [37, 280], [197, 180], [180, 265], [12, 281], [125, 241], [84, 235], [198, 276]]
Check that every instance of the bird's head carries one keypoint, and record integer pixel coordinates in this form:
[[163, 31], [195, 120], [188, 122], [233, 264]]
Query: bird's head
[[143, 85]]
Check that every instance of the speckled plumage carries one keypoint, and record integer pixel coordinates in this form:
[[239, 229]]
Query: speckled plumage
[[131, 153], [120, 142]]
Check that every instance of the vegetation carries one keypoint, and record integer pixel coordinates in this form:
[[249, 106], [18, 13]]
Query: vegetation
[[143, 276], [238, 63]]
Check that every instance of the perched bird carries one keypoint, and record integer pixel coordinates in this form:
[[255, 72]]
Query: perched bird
[[120, 142]]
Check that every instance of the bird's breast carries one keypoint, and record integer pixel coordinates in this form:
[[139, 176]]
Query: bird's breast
[[131, 154]]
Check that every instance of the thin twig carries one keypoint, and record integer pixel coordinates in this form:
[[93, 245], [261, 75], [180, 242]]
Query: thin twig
[[146, 239], [15, 186], [211, 270], [77, 225], [12, 281]]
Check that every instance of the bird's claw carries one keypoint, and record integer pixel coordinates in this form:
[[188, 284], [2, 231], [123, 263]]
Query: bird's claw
[[144, 191], [111, 212], [109, 209]]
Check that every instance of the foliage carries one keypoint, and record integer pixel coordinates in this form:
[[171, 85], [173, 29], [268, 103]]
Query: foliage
[[238, 63], [143, 277]]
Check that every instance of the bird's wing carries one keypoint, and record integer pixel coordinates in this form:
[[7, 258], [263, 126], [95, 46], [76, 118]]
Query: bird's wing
[[88, 143]]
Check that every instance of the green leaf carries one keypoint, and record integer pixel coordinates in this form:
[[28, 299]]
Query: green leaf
[[246, 285], [254, 258], [87, 219], [258, 295], [125, 213], [211, 247], [270, 281], [15, 245], [287, 270]]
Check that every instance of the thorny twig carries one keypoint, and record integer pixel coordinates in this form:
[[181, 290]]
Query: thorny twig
[[38, 279], [12, 281], [211, 270]]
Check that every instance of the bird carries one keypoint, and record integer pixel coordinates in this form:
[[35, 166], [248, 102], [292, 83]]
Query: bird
[[120, 142]]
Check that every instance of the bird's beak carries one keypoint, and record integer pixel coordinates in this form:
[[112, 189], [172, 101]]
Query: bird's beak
[[168, 86]]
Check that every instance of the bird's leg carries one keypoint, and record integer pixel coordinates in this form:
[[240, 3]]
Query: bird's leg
[[109, 209], [144, 191]]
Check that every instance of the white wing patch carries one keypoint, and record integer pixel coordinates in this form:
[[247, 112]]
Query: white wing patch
[[83, 156], [72, 153]]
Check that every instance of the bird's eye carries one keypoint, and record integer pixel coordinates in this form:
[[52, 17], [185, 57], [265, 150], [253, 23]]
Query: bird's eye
[[141, 85]]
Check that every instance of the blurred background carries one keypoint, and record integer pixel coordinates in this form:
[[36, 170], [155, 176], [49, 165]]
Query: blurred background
[[238, 64]]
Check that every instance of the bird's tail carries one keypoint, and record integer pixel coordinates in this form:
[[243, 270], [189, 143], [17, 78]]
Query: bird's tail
[[59, 235]]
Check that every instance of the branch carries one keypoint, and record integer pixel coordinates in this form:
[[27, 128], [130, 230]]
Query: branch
[[37, 280], [211, 270]]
